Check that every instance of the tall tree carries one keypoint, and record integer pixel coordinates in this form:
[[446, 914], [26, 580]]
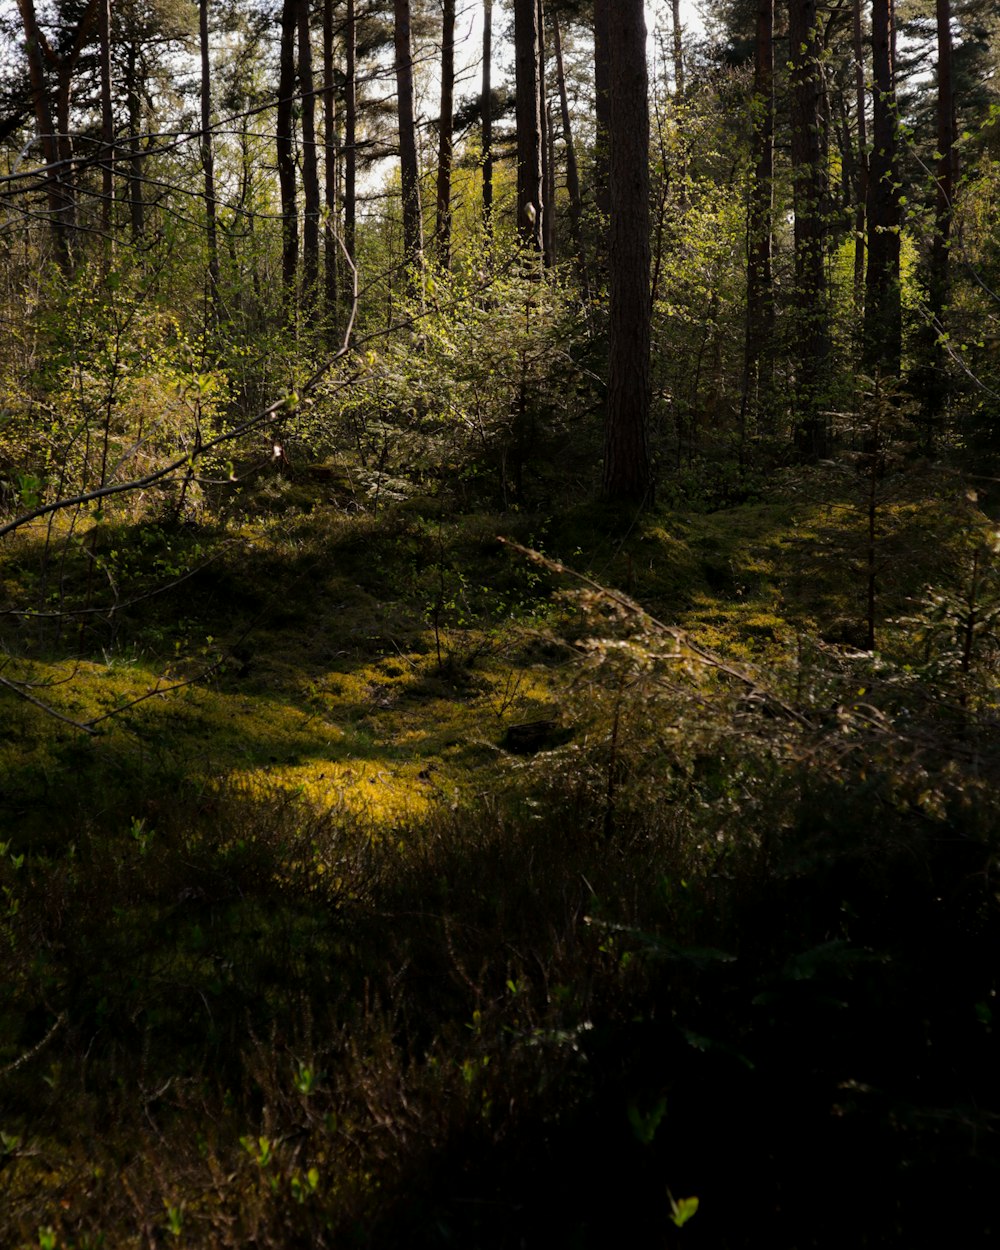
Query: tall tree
[[627, 473], [572, 170], [486, 106], [442, 233], [350, 129], [810, 194], [310, 161], [408, 161], [602, 107], [946, 177], [861, 188], [285, 146], [760, 293], [883, 316], [331, 250], [528, 111], [208, 161], [107, 125]]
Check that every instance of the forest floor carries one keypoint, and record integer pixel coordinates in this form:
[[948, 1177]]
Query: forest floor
[[417, 889]]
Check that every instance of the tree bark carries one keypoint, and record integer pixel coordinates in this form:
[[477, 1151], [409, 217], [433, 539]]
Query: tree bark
[[284, 142], [627, 474], [548, 152], [208, 163], [760, 292], [809, 193], [331, 251], [528, 112], [442, 232], [310, 164], [350, 131], [883, 315], [572, 170], [486, 108], [408, 162], [602, 108]]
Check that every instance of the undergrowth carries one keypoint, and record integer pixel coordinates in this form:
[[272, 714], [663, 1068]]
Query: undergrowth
[[452, 899]]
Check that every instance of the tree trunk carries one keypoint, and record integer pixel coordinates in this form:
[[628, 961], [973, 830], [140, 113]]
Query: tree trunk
[[528, 112], [310, 164], [442, 232], [285, 146], [107, 128], [548, 153], [133, 98], [408, 163], [861, 189], [627, 477], [809, 192], [760, 292], [883, 316], [572, 171], [208, 163], [939, 285], [331, 251], [678, 48], [350, 131], [602, 108], [486, 108]]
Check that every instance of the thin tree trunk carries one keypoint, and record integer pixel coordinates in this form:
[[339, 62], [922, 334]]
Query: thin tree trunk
[[528, 112], [331, 251], [760, 292], [442, 233], [627, 474], [350, 131], [286, 154], [107, 128], [572, 171], [208, 163], [883, 316], [939, 285], [133, 97], [310, 164], [408, 163], [486, 109], [861, 190], [548, 152], [602, 108], [809, 191], [678, 48]]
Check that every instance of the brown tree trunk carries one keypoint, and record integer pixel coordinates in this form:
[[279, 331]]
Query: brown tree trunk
[[760, 291], [486, 108], [350, 131], [208, 163], [331, 251], [284, 143], [310, 164], [133, 97], [861, 188], [939, 285], [107, 127], [810, 193], [528, 113], [408, 162], [442, 232], [627, 475], [602, 107], [548, 152], [883, 316], [572, 171], [678, 48]]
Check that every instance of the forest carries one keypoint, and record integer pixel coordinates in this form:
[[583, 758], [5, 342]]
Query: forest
[[499, 624]]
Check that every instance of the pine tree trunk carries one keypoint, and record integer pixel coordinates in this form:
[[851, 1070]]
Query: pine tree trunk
[[408, 161], [310, 164], [350, 131], [528, 113], [284, 143], [442, 232], [331, 250], [486, 110], [572, 170], [883, 316], [627, 475], [208, 163], [810, 194]]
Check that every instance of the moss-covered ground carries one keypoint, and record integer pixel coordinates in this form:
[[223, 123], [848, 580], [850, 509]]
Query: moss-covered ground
[[303, 944]]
